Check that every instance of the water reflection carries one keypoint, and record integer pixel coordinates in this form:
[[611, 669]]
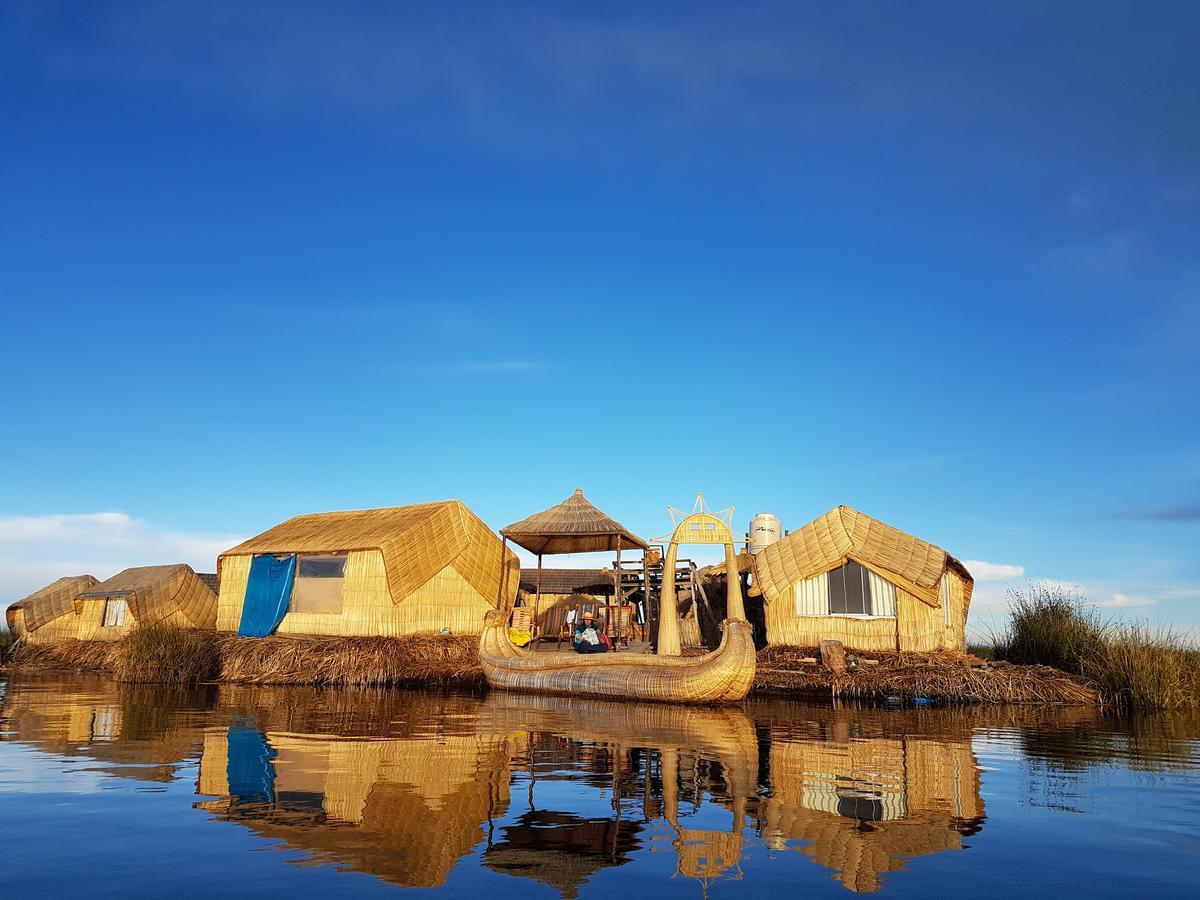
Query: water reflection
[[418, 789]]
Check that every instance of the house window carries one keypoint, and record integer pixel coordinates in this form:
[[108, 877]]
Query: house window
[[114, 612], [851, 590], [320, 580]]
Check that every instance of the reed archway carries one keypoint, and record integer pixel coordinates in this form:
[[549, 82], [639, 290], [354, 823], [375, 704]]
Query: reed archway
[[700, 526]]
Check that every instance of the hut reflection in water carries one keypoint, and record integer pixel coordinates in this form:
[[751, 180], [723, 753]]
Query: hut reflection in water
[[407, 786]]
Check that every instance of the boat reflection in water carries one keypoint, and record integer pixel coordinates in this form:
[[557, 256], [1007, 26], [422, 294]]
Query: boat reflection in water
[[500, 777]]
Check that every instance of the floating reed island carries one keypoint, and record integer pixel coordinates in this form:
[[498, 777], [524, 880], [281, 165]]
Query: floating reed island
[[845, 607]]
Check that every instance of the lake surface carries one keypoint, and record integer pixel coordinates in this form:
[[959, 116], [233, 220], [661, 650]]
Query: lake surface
[[116, 790]]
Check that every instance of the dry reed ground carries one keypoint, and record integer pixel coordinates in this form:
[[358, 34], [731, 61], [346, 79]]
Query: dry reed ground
[[417, 659], [444, 660], [941, 677]]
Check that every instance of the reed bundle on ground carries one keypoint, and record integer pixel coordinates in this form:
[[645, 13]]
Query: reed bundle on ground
[[1134, 665], [942, 677], [69, 655], [360, 661]]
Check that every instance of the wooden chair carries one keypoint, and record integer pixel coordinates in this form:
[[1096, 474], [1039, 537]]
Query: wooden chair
[[619, 623]]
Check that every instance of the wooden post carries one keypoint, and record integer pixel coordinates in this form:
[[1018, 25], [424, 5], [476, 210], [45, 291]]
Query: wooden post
[[612, 630], [645, 629], [833, 657], [537, 597]]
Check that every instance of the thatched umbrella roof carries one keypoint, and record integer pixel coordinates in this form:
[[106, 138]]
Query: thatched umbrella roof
[[573, 526]]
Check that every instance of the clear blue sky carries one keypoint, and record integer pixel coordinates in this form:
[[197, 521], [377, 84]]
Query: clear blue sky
[[935, 261]]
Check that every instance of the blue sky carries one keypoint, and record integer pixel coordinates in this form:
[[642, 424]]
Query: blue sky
[[935, 261]]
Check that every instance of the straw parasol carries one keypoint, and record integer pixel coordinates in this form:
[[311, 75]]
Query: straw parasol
[[573, 526]]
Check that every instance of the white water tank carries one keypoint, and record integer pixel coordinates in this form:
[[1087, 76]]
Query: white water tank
[[764, 531]]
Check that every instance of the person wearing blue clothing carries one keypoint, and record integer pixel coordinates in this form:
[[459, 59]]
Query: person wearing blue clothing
[[589, 637]]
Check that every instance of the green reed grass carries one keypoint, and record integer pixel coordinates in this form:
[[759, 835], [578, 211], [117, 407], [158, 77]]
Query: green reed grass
[[164, 654], [8, 641], [1134, 665]]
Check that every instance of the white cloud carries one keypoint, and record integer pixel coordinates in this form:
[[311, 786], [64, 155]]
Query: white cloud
[[982, 570], [1123, 601], [35, 550]]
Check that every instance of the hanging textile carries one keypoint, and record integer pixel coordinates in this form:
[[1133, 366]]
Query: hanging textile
[[268, 592]]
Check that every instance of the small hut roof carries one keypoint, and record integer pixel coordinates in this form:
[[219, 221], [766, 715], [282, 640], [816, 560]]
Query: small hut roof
[[573, 526], [568, 581], [416, 541], [54, 600], [843, 534], [154, 592]]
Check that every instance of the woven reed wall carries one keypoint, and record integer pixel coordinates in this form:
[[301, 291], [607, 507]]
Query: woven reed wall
[[16, 622], [785, 627], [921, 627], [447, 600], [689, 630], [545, 604], [957, 591], [64, 628]]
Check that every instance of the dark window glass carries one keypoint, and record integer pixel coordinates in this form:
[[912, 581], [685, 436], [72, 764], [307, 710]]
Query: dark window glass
[[849, 591], [323, 567], [866, 806]]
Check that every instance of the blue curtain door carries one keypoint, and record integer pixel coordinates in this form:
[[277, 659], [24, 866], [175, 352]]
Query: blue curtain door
[[268, 592]]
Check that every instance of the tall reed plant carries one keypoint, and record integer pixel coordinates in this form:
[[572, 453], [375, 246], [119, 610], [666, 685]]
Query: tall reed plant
[[165, 654], [8, 642], [1134, 665]]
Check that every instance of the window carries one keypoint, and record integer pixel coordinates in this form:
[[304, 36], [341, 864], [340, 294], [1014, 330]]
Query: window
[[114, 612], [851, 590], [319, 583]]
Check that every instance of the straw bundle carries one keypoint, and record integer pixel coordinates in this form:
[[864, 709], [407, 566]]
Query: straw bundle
[[360, 661], [69, 655], [944, 677]]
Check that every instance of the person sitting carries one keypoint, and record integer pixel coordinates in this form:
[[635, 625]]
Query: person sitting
[[589, 637]]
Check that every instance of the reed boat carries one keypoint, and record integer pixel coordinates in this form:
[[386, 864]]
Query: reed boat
[[575, 526], [723, 676]]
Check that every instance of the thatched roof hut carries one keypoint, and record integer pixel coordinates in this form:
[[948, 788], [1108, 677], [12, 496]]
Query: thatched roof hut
[[573, 526], [846, 576], [392, 571], [39, 609], [170, 595]]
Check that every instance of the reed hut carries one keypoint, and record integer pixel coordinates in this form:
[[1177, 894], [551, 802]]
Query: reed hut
[[168, 595], [573, 526], [851, 578], [384, 572], [49, 614]]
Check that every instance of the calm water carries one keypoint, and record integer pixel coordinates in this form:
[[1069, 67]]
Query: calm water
[[231, 791]]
